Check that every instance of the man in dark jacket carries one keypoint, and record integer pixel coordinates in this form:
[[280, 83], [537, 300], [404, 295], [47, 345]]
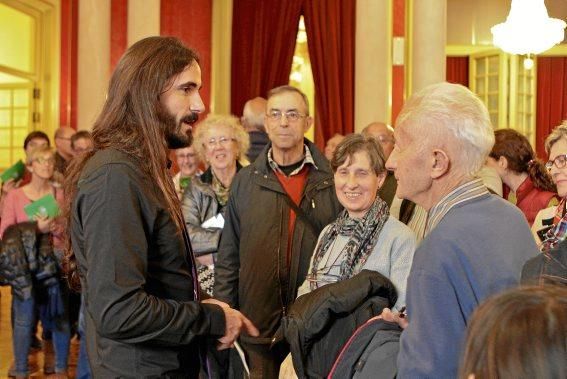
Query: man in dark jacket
[[130, 249], [276, 210]]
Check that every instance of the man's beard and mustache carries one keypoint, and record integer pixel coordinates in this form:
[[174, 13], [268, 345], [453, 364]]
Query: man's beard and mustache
[[175, 137]]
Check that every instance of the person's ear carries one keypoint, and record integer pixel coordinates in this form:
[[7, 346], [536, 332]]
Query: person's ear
[[381, 179], [308, 123], [503, 162], [441, 164]]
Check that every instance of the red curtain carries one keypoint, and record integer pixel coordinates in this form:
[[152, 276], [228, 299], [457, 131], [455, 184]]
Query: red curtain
[[263, 42], [458, 70], [551, 106], [330, 27]]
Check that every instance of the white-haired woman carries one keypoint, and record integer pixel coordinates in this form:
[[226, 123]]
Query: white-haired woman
[[222, 143]]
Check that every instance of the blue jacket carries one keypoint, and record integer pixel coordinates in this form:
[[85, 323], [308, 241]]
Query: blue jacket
[[478, 249]]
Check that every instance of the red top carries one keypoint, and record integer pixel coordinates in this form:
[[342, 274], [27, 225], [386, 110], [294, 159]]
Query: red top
[[531, 200], [293, 185]]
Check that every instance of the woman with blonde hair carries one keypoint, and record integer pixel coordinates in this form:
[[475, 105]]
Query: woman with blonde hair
[[41, 165], [222, 143]]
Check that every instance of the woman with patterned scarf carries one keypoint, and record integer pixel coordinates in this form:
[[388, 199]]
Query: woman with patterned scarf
[[364, 236], [221, 142]]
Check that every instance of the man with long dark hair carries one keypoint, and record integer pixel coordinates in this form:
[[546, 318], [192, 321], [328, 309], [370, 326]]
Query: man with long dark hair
[[128, 249]]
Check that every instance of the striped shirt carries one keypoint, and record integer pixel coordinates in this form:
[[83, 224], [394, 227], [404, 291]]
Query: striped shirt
[[470, 190], [308, 159]]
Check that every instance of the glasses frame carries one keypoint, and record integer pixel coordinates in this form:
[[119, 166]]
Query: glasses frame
[[43, 161], [291, 116], [222, 141], [550, 163]]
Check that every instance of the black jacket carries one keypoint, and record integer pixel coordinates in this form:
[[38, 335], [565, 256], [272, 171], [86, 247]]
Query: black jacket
[[27, 259], [319, 323], [251, 268], [549, 267], [136, 273]]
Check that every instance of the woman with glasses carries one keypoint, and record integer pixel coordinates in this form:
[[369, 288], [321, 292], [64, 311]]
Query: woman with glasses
[[222, 143], [364, 236], [550, 225], [527, 183], [40, 163]]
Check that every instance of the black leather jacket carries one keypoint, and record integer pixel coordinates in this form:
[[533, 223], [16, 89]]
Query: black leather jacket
[[142, 317], [252, 273], [27, 259]]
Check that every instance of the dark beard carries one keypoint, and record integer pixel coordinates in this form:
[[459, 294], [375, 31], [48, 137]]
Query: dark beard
[[174, 137]]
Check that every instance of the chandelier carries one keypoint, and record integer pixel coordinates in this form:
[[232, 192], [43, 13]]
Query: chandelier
[[528, 29]]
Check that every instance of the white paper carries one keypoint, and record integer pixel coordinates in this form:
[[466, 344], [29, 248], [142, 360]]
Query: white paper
[[214, 222]]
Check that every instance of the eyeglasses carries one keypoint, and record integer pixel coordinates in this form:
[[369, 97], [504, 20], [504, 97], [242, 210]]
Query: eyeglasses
[[223, 141], [559, 161], [291, 116], [48, 161]]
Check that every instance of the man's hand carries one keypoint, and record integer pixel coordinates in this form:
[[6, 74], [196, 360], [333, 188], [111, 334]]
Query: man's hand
[[235, 324], [390, 316]]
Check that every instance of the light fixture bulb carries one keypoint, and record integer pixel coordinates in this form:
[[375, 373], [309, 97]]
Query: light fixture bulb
[[528, 29]]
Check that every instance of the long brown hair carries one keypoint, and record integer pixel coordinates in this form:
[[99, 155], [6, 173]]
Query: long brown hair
[[129, 122], [518, 334], [521, 157]]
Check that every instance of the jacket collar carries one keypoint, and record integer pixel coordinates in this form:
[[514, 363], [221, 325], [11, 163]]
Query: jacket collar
[[266, 177]]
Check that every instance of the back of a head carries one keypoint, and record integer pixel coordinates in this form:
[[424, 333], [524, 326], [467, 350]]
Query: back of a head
[[378, 129], [253, 114], [452, 113], [521, 158], [514, 147], [519, 334]]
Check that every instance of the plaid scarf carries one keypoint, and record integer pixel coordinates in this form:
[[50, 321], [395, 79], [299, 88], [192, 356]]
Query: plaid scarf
[[559, 230], [363, 235]]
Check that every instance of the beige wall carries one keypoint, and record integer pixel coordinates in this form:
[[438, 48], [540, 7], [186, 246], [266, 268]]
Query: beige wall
[[143, 19], [93, 60], [373, 67]]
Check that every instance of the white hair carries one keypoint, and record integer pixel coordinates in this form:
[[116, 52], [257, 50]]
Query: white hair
[[451, 112]]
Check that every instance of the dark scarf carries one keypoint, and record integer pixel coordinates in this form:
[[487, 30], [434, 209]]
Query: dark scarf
[[363, 235]]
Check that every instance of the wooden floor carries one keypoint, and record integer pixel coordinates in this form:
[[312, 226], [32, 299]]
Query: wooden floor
[[6, 356]]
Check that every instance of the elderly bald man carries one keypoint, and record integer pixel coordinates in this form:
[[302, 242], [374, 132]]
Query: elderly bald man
[[253, 122], [475, 242]]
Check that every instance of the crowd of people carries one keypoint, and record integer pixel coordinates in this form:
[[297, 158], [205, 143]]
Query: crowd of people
[[172, 265]]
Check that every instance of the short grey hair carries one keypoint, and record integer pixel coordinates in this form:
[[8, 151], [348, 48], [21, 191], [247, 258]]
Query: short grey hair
[[556, 134], [452, 110], [282, 89]]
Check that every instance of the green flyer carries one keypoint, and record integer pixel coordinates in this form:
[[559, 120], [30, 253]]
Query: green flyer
[[46, 206], [15, 172]]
